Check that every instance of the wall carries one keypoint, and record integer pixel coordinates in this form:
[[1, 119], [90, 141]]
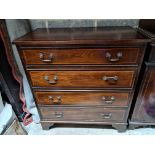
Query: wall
[[82, 23]]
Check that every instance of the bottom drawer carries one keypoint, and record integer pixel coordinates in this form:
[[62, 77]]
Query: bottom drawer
[[81, 114]]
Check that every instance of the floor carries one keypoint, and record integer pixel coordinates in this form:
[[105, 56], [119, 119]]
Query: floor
[[36, 129]]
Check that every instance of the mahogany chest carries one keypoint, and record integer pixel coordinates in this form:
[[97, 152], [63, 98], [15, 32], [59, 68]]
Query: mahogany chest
[[83, 75]]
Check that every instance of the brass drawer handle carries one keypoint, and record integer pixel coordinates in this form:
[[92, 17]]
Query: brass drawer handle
[[59, 114], [110, 78], [58, 101], [50, 58], [106, 115], [119, 55], [110, 101], [54, 81]]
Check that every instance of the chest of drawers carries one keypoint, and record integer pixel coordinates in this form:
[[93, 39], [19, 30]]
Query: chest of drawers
[[83, 75]]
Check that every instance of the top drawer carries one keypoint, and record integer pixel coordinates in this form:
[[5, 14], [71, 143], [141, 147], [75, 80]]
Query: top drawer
[[107, 56]]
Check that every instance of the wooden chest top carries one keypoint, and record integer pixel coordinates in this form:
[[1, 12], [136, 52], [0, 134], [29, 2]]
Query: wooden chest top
[[86, 35]]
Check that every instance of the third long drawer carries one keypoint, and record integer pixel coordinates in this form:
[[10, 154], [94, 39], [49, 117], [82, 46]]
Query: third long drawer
[[83, 98]]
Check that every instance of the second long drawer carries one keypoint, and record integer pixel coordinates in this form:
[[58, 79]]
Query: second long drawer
[[83, 79]]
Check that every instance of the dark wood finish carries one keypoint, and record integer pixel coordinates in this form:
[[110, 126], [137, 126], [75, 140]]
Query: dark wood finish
[[152, 53], [76, 67], [148, 96], [87, 79], [148, 25], [120, 56], [111, 99], [133, 126], [120, 127], [82, 36], [82, 68], [144, 109], [46, 126], [81, 114]]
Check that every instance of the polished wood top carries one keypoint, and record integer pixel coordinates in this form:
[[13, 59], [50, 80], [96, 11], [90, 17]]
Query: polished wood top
[[85, 35]]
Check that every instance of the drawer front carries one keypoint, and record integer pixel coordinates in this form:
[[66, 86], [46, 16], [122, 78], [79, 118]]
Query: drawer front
[[82, 56], [78, 79], [82, 98], [82, 114]]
